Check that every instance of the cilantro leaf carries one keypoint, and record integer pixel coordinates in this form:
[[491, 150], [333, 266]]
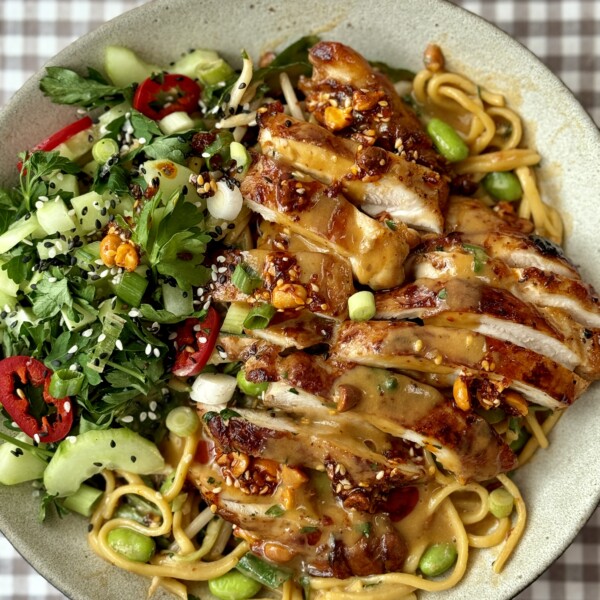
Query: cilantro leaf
[[64, 86], [50, 297], [161, 316], [18, 268], [182, 257], [143, 127], [275, 511], [175, 148], [112, 178]]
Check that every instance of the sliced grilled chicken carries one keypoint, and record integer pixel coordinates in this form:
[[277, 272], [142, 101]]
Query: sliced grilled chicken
[[374, 179], [315, 281], [322, 215], [509, 241], [310, 531], [302, 332], [275, 237], [402, 345], [396, 404], [453, 258], [349, 97], [475, 305]]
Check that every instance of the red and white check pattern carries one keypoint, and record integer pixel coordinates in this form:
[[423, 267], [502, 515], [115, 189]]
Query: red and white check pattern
[[565, 34]]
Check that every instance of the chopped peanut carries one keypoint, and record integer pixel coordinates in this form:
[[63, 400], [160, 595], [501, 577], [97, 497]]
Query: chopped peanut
[[461, 394], [516, 401], [347, 397], [278, 552], [288, 295], [108, 248], [266, 464], [127, 257], [292, 477], [433, 58], [239, 463], [337, 118], [366, 100]]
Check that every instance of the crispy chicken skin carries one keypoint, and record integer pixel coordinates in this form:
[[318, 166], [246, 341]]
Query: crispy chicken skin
[[347, 96], [323, 216], [374, 179]]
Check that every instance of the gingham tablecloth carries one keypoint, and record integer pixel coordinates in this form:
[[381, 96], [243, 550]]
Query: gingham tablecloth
[[565, 34]]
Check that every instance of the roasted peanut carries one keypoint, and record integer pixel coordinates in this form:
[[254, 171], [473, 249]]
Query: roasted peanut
[[366, 100], [516, 401], [127, 257], [239, 463], [347, 397], [337, 118], [292, 477], [278, 552], [108, 248], [461, 394], [433, 58], [288, 295]]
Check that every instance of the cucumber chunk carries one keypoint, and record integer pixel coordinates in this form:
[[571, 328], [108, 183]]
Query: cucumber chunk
[[54, 217], [88, 209], [189, 63], [63, 182], [124, 67], [20, 230], [18, 466], [171, 177], [78, 145], [80, 457]]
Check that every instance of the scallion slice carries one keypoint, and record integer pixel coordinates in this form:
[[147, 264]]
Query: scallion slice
[[501, 503], [263, 572], [83, 500], [259, 317], [65, 382], [245, 279], [104, 149], [183, 421], [131, 288], [235, 317], [361, 306]]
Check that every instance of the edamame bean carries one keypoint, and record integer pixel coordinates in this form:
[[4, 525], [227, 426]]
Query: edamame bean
[[249, 387], [131, 544], [503, 185], [233, 586], [448, 143], [437, 559], [501, 503]]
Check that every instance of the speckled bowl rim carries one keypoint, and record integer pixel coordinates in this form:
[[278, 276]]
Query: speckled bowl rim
[[497, 61]]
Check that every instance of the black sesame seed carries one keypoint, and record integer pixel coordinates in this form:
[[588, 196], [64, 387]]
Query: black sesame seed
[[90, 527], [55, 363], [113, 443], [104, 355], [133, 458], [288, 123], [48, 244], [27, 216], [98, 224], [97, 464], [84, 211]]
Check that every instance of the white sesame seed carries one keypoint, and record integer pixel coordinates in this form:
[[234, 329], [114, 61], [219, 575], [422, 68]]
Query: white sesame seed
[[72, 439], [148, 350], [67, 407], [153, 405], [380, 475], [202, 340], [222, 270], [119, 345], [36, 438], [156, 352], [87, 333], [101, 337], [133, 313], [199, 291], [205, 155], [73, 368], [99, 262], [172, 336], [216, 490], [142, 140], [206, 305], [152, 416], [52, 280], [127, 419], [213, 276], [143, 416], [220, 259], [213, 268], [197, 327], [73, 349], [52, 253]]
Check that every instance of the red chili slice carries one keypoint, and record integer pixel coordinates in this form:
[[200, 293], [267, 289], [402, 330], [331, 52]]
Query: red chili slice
[[17, 371], [158, 97], [60, 136], [195, 342]]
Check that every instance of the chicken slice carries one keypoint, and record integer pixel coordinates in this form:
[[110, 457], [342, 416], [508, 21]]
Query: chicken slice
[[372, 178], [403, 345], [509, 241], [475, 305], [318, 282], [346, 95], [322, 215]]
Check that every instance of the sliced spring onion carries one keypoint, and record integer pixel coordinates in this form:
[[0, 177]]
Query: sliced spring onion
[[245, 279], [501, 503], [83, 500], [249, 387], [131, 288], [213, 388], [65, 382], [183, 421], [213, 72], [176, 122], [361, 306], [241, 156], [259, 316], [263, 572], [226, 203], [235, 317], [104, 149]]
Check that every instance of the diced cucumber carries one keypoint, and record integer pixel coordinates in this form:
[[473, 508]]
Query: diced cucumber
[[177, 301], [214, 72], [19, 231], [110, 115], [63, 182], [90, 168], [176, 122], [7, 285], [85, 318], [77, 146], [171, 177], [54, 217], [33, 280], [189, 63], [80, 457], [87, 254], [17, 465], [88, 210], [46, 250], [124, 67], [124, 205]]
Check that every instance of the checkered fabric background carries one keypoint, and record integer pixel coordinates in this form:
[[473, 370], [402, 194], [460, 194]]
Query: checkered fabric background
[[565, 34]]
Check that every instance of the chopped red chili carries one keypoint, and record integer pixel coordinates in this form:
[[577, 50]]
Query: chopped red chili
[[16, 372], [157, 97], [195, 342]]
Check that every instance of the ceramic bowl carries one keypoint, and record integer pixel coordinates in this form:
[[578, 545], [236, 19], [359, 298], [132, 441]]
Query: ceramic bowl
[[561, 485]]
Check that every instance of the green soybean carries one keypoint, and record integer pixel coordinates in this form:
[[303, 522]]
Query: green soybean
[[249, 387], [233, 586], [437, 559], [501, 503], [131, 544], [503, 185], [448, 143]]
